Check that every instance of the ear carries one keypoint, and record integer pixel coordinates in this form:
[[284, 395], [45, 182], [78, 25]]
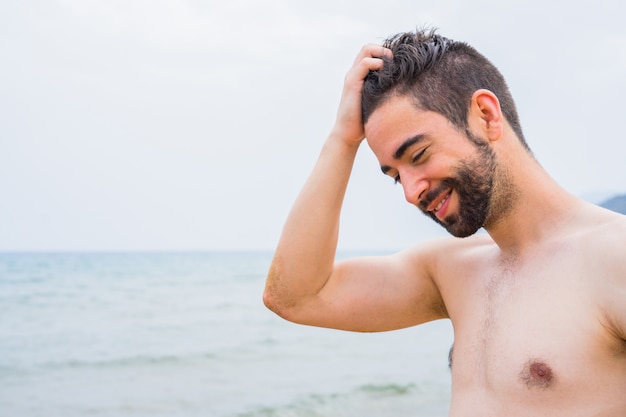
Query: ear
[[485, 115]]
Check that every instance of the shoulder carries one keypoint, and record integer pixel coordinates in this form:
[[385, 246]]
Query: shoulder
[[451, 249], [602, 247], [605, 239], [449, 257], [429, 270], [452, 245]]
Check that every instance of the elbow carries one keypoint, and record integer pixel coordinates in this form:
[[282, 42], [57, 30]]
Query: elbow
[[277, 304], [280, 300], [274, 298], [284, 298], [269, 299], [295, 311]]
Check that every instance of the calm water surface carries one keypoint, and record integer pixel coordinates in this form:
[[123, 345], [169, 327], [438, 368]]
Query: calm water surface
[[186, 334]]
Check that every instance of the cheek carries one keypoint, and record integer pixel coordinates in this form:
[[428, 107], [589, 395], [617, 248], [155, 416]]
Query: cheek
[[438, 166]]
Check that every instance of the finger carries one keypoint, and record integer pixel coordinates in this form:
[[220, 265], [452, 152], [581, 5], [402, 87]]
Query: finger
[[360, 70], [372, 64], [373, 51], [385, 52]]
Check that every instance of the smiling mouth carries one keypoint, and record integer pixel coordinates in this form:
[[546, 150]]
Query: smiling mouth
[[442, 203]]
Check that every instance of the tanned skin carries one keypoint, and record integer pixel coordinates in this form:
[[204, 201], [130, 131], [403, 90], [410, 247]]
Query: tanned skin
[[538, 304]]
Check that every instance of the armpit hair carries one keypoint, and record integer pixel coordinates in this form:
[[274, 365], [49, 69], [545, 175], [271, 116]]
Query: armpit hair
[[618, 333]]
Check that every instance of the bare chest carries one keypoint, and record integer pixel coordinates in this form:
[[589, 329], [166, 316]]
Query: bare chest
[[532, 332]]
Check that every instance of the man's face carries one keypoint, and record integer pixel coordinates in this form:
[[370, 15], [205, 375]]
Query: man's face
[[449, 175], [472, 181]]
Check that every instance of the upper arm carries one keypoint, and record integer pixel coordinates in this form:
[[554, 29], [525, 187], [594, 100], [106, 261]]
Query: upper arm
[[376, 294]]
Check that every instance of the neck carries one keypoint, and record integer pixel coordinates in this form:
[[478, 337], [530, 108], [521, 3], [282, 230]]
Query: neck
[[528, 205]]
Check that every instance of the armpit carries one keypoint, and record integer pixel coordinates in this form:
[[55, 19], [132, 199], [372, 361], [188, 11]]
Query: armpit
[[616, 333]]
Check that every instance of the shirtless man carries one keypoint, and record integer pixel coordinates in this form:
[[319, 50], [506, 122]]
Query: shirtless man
[[538, 304]]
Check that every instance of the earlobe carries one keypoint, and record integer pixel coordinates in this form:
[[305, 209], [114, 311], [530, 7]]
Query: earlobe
[[486, 113]]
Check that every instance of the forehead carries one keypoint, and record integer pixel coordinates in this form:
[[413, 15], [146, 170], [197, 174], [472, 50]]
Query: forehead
[[398, 119]]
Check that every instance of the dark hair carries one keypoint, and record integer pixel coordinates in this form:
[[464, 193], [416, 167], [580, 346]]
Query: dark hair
[[440, 74]]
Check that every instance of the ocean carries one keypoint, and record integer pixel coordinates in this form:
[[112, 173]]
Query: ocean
[[187, 334]]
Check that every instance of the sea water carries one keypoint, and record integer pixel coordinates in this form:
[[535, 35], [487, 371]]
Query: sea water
[[186, 334]]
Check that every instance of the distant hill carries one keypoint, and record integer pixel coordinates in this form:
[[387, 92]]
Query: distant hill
[[617, 203]]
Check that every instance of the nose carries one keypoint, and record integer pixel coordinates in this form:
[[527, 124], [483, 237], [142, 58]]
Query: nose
[[415, 189]]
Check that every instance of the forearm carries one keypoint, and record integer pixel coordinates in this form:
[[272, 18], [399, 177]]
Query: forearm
[[304, 258]]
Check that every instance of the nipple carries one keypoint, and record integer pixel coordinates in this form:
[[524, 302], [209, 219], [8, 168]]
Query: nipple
[[537, 374]]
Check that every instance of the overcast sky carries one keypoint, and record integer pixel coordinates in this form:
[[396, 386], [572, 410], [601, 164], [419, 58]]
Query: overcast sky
[[191, 125]]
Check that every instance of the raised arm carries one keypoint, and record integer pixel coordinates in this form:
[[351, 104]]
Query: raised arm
[[304, 284]]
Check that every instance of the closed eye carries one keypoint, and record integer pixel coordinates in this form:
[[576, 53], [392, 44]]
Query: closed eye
[[417, 157]]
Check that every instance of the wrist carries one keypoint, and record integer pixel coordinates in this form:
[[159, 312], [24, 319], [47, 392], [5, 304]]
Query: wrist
[[348, 140], [342, 143]]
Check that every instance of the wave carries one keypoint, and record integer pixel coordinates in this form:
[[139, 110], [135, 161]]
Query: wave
[[369, 400], [113, 363], [388, 390], [137, 361]]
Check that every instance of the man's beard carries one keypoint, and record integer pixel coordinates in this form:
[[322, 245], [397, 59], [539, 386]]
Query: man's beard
[[473, 183]]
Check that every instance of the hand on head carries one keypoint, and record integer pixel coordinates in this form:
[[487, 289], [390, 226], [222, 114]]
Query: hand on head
[[349, 126]]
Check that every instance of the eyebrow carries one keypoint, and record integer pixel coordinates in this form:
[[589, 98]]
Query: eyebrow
[[399, 153]]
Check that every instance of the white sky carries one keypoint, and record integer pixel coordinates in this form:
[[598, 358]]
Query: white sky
[[184, 125]]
